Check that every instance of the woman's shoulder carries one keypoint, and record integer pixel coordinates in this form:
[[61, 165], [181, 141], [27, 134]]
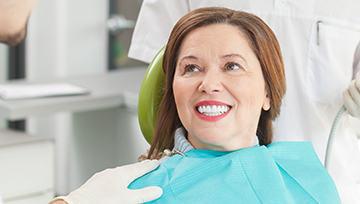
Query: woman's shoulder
[[291, 154], [302, 169], [301, 149]]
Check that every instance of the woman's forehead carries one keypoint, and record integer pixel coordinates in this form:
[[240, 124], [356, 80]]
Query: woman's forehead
[[218, 40], [215, 35]]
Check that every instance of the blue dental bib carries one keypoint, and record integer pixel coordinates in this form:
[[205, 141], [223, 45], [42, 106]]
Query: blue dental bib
[[282, 172]]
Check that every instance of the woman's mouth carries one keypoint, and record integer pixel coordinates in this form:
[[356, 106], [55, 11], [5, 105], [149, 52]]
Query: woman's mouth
[[213, 110]]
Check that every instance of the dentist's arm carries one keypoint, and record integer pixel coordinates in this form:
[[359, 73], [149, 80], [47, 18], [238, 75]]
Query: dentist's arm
[[110, 187], [351, 97], [14, 15]]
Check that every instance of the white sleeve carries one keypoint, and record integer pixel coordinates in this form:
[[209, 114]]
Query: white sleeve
[[153, 26], [356, 64]]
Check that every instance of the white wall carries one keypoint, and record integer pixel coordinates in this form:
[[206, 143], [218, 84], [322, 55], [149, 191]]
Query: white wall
[[3, 62], [69, 38], [3, 72]]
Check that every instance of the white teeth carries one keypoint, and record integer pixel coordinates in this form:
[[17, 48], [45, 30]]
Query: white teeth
[[213, 110], [208, 109]]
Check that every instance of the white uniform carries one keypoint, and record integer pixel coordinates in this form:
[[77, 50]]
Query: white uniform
[[318, 39]]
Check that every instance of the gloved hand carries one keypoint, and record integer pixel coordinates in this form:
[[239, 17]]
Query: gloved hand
[[351, 97], [110, 186]]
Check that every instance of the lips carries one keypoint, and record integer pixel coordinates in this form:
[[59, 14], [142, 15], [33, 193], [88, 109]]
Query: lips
[[212, 110]]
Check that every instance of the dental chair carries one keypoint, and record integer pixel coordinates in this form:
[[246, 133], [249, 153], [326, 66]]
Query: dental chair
[[150, 96]]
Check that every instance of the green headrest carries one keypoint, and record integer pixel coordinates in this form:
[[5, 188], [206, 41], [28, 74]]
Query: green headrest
[[150, 96]]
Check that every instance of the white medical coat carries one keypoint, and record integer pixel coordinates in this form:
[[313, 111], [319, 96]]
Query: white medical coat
[[319, 40]]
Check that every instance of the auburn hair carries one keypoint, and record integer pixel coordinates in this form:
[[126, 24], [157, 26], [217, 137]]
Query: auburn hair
[[263, 43]]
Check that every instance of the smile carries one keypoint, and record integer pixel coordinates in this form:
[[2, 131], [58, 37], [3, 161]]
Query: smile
[[214, 110]]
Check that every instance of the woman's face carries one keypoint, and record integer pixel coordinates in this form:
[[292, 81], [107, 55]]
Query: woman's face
[[219, 88]]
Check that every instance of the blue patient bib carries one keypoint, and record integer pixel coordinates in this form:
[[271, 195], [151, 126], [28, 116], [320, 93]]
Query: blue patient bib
[[282, 172]]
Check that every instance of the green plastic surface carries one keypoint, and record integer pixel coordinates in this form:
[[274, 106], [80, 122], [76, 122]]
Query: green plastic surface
[[150, 96]]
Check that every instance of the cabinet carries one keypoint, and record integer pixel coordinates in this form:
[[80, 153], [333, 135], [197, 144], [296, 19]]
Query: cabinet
[[26, 168], [110, 94]]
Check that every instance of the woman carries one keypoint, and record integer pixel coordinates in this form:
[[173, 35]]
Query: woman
[[168, 120], [321, 53], [224, 85]]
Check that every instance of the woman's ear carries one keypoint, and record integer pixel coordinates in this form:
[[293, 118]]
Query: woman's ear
[[266, 104]]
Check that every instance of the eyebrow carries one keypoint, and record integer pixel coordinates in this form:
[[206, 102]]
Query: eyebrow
[[234, 55], [223, 57], [188, 57]]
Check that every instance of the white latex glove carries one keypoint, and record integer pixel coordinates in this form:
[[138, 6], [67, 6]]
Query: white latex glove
[[110, 186], [351, 97]]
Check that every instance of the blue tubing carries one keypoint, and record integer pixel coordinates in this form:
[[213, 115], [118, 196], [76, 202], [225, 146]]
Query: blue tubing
[[330, 142]]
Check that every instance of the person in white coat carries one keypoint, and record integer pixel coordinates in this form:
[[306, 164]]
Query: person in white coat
[[320, 44]]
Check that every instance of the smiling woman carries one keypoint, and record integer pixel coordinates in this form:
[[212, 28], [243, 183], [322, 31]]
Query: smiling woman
[[226, 75], [232, 47], [224, 85]]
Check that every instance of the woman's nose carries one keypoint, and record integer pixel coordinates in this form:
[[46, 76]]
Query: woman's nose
[[211, 83]]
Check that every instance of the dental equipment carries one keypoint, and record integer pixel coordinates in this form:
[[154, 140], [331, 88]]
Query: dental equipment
[[330, 142]]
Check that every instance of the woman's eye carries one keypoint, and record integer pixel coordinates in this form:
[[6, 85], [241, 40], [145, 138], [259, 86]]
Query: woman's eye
[[232, 66], [191, 68]]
